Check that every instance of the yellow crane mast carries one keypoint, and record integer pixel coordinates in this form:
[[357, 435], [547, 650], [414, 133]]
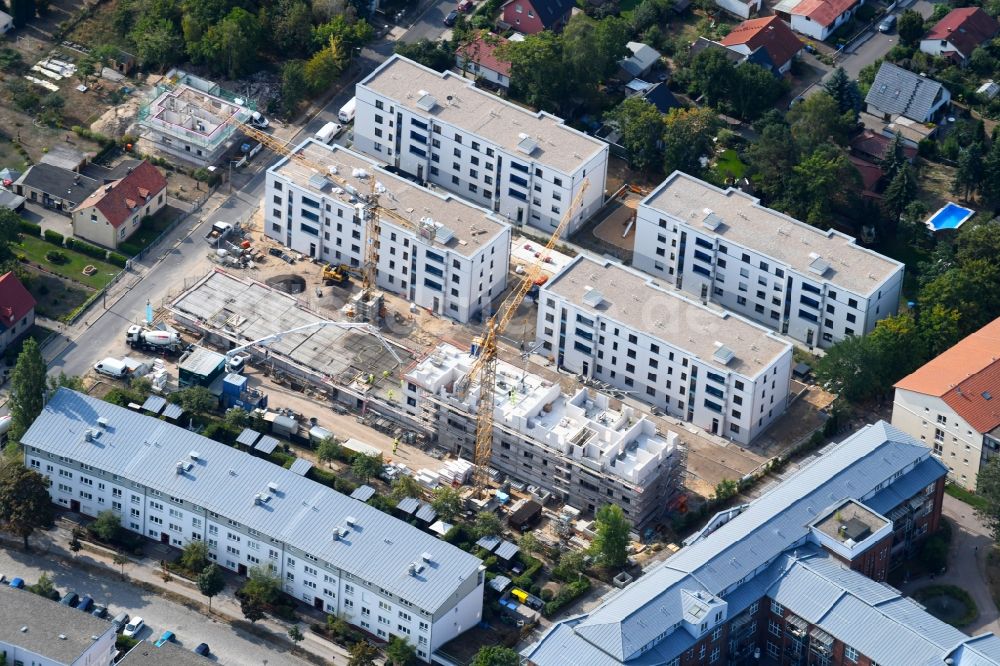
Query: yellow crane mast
[[484, 368]]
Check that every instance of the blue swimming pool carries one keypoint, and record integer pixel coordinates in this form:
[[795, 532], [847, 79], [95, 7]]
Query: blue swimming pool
[[950, 216]]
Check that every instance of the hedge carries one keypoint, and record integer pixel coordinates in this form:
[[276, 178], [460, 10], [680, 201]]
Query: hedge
[[29, 228], [568, 593], [86, 248], [54, 237], [117, 259]]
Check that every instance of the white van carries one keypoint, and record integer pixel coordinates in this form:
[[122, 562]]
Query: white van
[[328, 132], [346, 114], [112, 367]]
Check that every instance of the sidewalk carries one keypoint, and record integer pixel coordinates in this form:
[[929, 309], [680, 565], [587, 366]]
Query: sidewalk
[[225, 607]]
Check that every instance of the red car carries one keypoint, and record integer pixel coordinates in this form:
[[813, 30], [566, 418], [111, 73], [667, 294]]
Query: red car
[[465, 6]]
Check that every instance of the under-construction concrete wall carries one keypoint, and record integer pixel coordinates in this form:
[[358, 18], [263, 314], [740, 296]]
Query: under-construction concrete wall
[[192, 119]]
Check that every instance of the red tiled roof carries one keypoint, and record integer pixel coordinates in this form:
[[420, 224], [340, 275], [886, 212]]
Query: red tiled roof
[[963, 376], [482, 50], [875, 144], [823, 12], [966, 28], [771, 33], [870, 174], [118, 200], [15, 300]]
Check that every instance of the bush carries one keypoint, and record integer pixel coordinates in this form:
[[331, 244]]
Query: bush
[[567, 594], [86, 248], [29, 228], [117, 259], [56, 257], [54, 237]]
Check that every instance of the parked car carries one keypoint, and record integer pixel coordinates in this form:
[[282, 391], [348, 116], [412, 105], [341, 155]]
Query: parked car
[[119, 621], [134, 627], [465, 6], [166, 637], [86, 603], [3, 579], [70, 599], [17, 583], [100, 611], [887, 24], [202, 649], [275, 251], [450, 19]]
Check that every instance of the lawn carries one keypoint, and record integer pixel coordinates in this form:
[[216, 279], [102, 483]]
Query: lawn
[[728, 165], [56, 298], [150, 230], [35, 249], [627, 7]]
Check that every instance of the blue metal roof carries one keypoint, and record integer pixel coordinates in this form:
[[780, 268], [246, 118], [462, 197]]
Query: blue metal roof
[[302, 513], [267, 444], [908, 485], [408, 505], [172, 411], [506, 550], [154, 404], [363, 493], [426, 513], [488, 542], [248, 437], [301, 466]]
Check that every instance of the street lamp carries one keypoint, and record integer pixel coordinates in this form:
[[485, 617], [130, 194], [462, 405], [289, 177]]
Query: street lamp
[[231, 163]]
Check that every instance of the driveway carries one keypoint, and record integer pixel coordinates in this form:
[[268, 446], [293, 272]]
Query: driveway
[[47, 219], [970, 543]]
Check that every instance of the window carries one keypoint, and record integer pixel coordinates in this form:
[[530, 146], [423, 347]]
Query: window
[[851, 653], [777, 608], [774, 628]]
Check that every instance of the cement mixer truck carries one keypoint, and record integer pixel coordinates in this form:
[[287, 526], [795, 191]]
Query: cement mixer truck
[[162, 341]]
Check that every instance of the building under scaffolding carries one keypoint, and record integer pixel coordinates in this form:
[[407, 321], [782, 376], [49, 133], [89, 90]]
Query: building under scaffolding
[[192, 118], [328, 362]]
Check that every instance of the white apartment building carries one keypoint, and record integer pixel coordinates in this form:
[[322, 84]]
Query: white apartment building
[[715, 369], [330, 551], [815, 286], [451, 257], [586, 449], [948, 404], [439, 127]]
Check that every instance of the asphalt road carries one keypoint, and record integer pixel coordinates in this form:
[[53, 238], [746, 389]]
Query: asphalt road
[[191, 627], [880, 44]]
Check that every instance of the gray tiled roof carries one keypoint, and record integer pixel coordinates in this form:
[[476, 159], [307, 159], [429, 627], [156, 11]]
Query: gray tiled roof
[[901, 92], [46, 620], [758, 538], [302, 513]]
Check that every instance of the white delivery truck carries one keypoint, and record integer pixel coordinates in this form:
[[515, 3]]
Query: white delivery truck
[[328, 132], [346, 114], [112, 367]]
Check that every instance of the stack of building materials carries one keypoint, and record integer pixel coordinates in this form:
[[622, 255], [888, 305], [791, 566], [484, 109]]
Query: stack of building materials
[[456, 472], [427, 478]]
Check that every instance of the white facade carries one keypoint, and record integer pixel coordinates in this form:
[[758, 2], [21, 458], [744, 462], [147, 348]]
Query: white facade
[[238, 547], [806, 26], [583, 448], [6, 22], [957, 443], [740, 8], [726, 375], [938, 47], [722, 245], [481, 70], [527, 167], [451, 258]]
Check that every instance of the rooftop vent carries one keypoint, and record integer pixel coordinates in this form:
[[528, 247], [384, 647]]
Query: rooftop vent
[[62, 637], [350, 521], [179, 467], [711, 221], [427, 101], [987, 395], [88, 435], [103, 422], [318, 181], [24, 629], [194, 455], [818, 265], [272, 486], [723, 354], [427, 557], [526, 145], [592, 297]]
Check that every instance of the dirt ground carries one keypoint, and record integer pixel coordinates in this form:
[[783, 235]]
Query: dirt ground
[[803, 417], [935, 185], [612, 228]]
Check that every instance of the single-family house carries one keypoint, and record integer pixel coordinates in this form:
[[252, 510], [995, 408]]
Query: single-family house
[[54, 187], [17, 310], [114, 212], [871, 176], [872, 147], [819, 18], [770, 34], [958, 34], [660, 96], [759, 57], [898, 92], [641, 60], [530, 17], [479, 58], [743, 9], [6, 22]]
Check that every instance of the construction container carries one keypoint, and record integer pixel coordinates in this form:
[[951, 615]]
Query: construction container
[[234, 385]]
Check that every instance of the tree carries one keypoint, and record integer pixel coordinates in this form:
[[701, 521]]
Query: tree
[[291, 27], [496, 655], [844, 91], [72, 382], [252, 609], [900, 193], [158, 42], [536, 70], [978, 240], [399, 652], [725, 490], [230, 46], [195, 399], [236, 419], [210, 583], [436, 55], [848, 368], [194, 557], [969, 175], [529, 543], [45, 588], [362, 654], [447, 502], [328, 450], [641, 127], [406, 486], [819, 120], [293, 86], [487, 524], [910, 27], [940, 328], [971, 289], [591, 50], [325, 66], [822, 181], [687, 137], [754, 91], [895, 157], [27, 389], [107, 526], [988, 489], [295, 634], [263, 585], [773, 157], [25, 505], [22, 11], [366, 466], [991, 174], [120, 560], [611, 536], [712, 75]]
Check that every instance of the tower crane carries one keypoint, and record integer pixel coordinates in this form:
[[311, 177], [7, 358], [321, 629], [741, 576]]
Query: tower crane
[[373, 211], [484, 368]]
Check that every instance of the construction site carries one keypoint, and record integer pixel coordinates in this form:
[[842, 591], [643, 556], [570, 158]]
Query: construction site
[[191, 118]]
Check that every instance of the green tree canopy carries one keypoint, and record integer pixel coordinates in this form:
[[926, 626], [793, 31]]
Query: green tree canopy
[[230, 46], [328, 450], [293, 86], [447, 502], [362, 654], [910, 27], [824, 180], [436, 55], [641, 127], [399, 652], [536, 71], [25, 505], [366, 466], [194, 557], [988, 488], [611, 536], [45, 588], [687, 137], [210, 583], [107, 526], [819, 120], [27, 389], [158, 42], [844, 91], [496, 655], [487, 524], [773, 157], [406, 486]]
